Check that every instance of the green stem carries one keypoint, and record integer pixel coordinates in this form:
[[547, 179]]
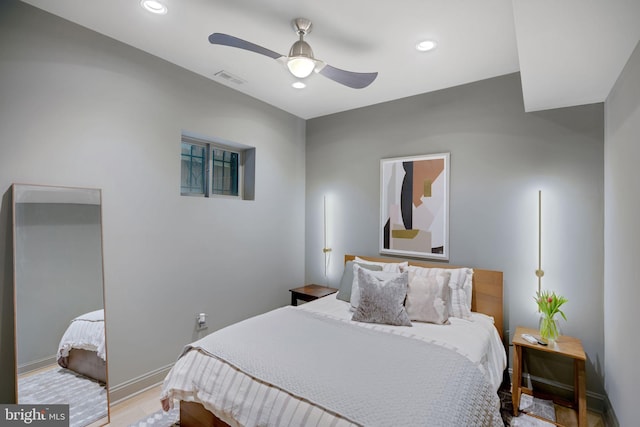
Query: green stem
[[548, 328]]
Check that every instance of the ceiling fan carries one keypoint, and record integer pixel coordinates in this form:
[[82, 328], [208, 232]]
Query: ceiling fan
[[300, 61]]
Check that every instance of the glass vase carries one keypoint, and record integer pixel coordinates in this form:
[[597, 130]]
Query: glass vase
[[549, 328]]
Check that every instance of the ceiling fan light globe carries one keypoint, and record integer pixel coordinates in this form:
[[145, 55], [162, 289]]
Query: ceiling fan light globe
[[301, 66]]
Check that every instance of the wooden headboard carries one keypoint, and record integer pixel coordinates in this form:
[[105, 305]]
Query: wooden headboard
[[487, 287]]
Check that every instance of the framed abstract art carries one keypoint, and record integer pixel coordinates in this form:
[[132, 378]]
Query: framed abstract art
[[414, 206]]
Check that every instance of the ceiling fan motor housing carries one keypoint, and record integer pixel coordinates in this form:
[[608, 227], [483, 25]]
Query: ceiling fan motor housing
[[301, 48]]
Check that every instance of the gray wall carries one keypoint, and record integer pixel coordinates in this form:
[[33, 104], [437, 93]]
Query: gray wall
[[80, 109], [58, 273], [622, 242], [500, 158]]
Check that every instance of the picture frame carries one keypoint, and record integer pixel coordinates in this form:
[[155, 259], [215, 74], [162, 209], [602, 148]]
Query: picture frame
[[414, 206]]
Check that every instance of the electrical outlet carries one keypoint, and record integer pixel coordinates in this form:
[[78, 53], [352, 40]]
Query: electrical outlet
[[201, 321]]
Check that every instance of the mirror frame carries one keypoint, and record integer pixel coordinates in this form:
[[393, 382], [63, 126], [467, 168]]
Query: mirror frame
[[57, 194]]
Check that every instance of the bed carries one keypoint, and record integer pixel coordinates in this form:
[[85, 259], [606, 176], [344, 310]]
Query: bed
[[82, 346], [314, 365]]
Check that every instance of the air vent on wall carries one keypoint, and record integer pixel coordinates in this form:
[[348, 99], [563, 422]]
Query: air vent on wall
[[230, 77]]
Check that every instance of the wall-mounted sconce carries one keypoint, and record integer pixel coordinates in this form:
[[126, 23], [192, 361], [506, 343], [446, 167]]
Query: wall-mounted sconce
[[326, 250], [539, 271]]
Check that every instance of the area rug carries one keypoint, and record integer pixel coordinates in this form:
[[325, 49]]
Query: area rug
[[87, 399], [532, 405], [160, 419], [524, 420], [540, 407]]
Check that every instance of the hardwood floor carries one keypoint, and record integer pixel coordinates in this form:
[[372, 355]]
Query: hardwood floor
[[135, 408], [569, 418]]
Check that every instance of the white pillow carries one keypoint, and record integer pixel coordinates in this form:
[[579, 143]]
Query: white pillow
[[460, 288], [355, 288], [428, 298], [395, 267]]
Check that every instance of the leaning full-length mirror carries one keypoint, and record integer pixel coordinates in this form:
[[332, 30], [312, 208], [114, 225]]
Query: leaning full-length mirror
[[60, 327]]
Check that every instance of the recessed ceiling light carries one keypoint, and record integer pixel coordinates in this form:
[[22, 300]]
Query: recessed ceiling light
[[154, 6], [298, 85], [426, 45]]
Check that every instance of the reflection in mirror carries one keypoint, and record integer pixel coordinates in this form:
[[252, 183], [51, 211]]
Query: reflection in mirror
[[58, 277]]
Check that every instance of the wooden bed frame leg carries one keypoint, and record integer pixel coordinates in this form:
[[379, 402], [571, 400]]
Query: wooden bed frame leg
[[193, 414]]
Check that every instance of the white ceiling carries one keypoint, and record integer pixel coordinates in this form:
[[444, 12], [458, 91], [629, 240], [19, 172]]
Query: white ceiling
[[569, 52]]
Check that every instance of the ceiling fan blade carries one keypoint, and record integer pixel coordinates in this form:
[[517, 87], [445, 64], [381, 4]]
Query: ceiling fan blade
[[348, 78], [227, 40]]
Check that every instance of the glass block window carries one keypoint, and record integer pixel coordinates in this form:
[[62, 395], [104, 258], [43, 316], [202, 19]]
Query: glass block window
[[193, 169], [225, 172]]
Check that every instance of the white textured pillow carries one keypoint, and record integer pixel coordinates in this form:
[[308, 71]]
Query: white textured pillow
[[460, 288], [395, 267], [382, 299], [428, 298], [355, 288]]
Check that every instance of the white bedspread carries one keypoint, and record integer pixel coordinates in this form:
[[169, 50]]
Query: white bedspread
[[241, 386], [476, 338], [85, 332]]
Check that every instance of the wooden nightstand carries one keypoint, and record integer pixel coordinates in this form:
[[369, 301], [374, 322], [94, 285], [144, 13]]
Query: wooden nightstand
[[563, 346], [310, 292]]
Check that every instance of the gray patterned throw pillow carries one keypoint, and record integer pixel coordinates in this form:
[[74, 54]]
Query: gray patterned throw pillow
[[382, 298]]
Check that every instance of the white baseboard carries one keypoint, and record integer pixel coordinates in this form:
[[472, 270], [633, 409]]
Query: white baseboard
[[37, 364], [137, 385]]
